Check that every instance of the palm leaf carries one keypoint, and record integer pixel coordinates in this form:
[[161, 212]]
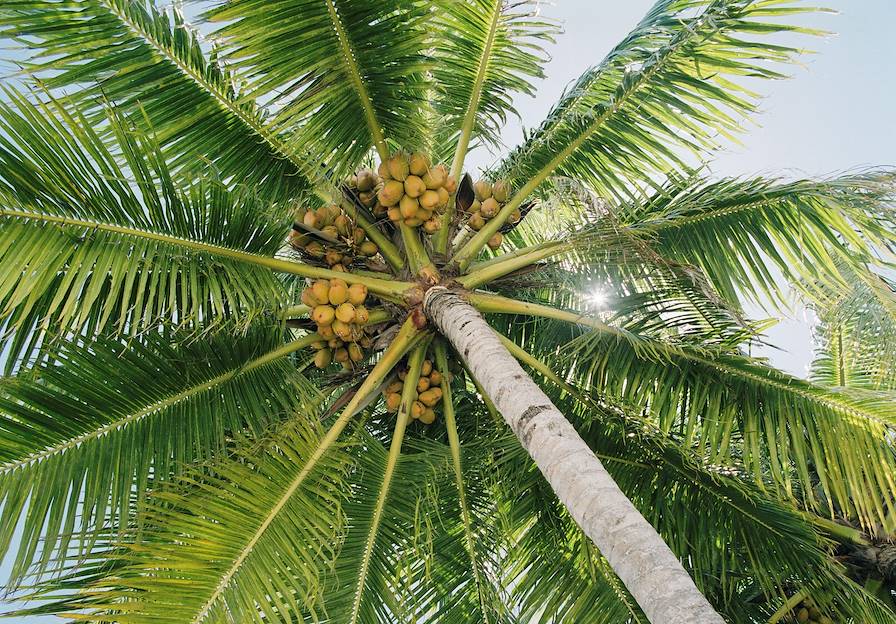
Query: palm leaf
[[668, 87], [731, 408], [733, 230], [151, 63], [104, 419], [245, 543], [343, 74], [82, 246], [487, 52]]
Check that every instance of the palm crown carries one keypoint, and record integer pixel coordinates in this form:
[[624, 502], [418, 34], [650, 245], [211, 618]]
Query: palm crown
[[170, 451]]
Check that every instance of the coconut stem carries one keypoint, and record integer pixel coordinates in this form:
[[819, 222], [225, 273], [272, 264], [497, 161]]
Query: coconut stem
[[490, 270]]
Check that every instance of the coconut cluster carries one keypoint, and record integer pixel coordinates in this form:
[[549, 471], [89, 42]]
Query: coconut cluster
[[339, 313], [341, 242], [807, 612], [429, 393], [412, 191], [489, 200]]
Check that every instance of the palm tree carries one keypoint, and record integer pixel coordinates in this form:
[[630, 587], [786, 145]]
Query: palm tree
[[195, 227]]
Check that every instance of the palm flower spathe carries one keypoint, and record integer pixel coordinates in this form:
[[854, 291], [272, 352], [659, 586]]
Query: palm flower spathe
[[272, 355]]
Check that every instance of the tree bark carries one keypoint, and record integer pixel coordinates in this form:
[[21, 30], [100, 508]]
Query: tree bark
[[639, 556]]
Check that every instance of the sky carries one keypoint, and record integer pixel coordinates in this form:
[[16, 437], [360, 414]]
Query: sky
[[838, 112]]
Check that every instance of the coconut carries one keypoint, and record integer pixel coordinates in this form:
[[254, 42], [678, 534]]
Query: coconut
[[430, 397], [343, 225], [383, 170], [355, 354], [429, 199], [501, 190], [339, 268], [323, 358], [393, 400], [436, 177], [369, 248], [315, 249], [444, 197], [308, 298], [366, 180], [413, 222], [323, 314], [340, 355], [335, 343], [357, 294], [417, 409], [398, 167], [408, 207], [330, 230], [342, 329], [394, 213], [476, 221], [395, 386], [361, 314], [338, 291], [414, 186], [358, 236], [431, 226], [333, 257], [515, 216], [391, 193], [345, 312], [489, 208], [495, 241], [367, 197], [310, 219], [423, 384], [320, 344], [482, 189], [428, 416], [418, 164], [435, 378], [325, 331], [426, 368], [451, 184]]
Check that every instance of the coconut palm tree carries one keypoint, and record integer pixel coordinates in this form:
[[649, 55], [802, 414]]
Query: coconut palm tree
[[268, 360]]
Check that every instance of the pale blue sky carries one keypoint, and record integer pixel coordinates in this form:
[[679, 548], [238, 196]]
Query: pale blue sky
[[836, 113]]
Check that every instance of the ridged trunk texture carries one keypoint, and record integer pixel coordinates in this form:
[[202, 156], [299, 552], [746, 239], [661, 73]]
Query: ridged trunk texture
[[650, 570]]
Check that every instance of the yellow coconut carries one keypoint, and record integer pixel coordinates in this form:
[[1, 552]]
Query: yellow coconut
[[323, 358], [393, 400], [476, 221], [345, 312], [414, 186], [361, 314], [338, 292], [355, 354], [495, 241], [391, 193], [398, 167], [482, 189], [428, 416], [323, 314], [429, 199], [489, 208], [418, 164], [357, 294]]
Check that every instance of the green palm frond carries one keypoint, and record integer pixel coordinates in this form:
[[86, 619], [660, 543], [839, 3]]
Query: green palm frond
[[731, 409], [103, 420], [735, 231], [81, 245], [151, 63], [668, 87], [695, 507], [246, 542], [487, 52], [856, 336], [345, 75]]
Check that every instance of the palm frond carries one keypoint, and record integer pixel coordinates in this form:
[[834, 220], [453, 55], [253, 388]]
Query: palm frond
[[487, 52], [94, 427], [344, 75], [669, 87], [246, 542], [88, 242], [151, 63], [855, 339], [822, 448], [735, 231], [768, 545]]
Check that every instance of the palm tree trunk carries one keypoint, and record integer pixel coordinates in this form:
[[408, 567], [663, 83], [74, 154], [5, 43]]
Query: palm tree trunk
[[642, 560]]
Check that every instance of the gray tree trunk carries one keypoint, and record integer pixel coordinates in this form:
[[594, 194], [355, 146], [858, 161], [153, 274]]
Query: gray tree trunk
[[639, 556]]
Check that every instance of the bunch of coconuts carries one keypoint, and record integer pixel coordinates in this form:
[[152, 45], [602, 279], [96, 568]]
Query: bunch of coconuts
[[489, 199], [808, 613], [339, 313], [413, 192], [340, 241], [429, 393]]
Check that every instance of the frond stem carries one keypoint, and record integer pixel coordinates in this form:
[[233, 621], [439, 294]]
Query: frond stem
[[354, 73]]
